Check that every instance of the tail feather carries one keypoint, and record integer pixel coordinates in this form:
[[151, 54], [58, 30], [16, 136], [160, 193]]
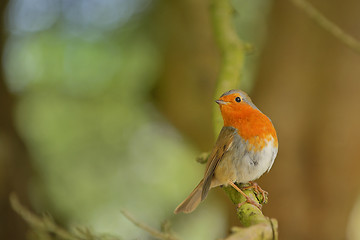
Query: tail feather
[[192, 201]]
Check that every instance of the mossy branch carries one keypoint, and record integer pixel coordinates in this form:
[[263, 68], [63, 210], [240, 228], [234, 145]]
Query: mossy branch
[[255, 224], [233, 50]]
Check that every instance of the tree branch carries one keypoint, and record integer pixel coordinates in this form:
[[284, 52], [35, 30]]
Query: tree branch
[[233, 50], [165, 235], [328, 25], [255, 224], [44, 223], [44, 227]]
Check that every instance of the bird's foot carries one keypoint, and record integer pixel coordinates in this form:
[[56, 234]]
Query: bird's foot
[[249, 200], [258, 190]]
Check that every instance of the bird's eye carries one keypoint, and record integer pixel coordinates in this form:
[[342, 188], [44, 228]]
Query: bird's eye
[[238, 99]]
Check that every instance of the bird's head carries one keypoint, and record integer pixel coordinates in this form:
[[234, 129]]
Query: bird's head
[[235, 100]]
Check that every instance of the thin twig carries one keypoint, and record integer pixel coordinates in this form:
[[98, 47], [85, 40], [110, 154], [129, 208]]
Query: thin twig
[[44, 223], [153, 232], [328, 25]]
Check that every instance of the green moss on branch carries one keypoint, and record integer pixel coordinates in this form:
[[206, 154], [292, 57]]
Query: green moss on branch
[[232, 52]]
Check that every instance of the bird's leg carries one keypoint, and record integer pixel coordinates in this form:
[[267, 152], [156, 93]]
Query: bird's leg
[[258, 190], [248, 199]]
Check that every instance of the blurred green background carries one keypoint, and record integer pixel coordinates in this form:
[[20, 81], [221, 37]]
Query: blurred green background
[[105, 104]]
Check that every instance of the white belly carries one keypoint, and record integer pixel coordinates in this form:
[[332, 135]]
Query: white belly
[[240, 165]]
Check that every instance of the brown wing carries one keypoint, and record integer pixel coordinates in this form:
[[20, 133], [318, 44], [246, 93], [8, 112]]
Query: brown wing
[[222, 145]]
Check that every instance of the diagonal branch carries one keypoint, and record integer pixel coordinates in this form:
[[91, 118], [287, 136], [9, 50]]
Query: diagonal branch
[[44, 223], [44, 227], [328, 25], [153, 232]]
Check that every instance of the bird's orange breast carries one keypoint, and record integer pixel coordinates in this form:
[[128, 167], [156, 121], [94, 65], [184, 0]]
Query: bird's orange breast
[[252, 125]]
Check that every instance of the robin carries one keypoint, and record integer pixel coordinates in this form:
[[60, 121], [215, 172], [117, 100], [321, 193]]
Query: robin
[[245, 149]]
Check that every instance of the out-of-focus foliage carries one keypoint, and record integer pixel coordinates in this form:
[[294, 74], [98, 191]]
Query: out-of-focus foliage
[[83, 72], [87, 74]]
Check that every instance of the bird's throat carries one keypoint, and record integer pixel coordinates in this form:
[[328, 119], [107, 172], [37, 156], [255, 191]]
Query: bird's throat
[[249, 122]]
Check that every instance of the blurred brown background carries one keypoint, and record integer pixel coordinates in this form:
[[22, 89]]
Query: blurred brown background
[[104, 105]]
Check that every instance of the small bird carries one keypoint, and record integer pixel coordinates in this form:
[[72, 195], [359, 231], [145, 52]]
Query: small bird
[[245, 149]]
